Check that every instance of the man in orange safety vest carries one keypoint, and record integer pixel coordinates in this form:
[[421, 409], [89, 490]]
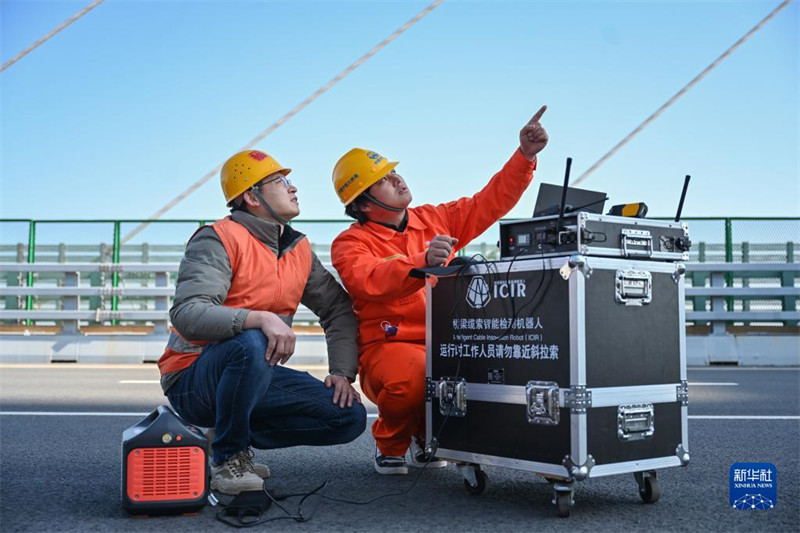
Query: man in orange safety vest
[[239, 285]]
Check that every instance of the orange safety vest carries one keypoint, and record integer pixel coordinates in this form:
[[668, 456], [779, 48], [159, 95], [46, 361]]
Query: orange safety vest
[[261, 282]]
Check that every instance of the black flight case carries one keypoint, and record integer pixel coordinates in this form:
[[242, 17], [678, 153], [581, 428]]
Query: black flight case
[[570, 367]]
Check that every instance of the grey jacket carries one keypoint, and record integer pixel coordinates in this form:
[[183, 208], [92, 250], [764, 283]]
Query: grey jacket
[[204, 279]]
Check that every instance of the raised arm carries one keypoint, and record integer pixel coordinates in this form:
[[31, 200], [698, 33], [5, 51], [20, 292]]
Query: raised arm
[[469, 217]]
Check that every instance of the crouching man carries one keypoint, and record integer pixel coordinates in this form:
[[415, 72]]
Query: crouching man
[[239, 285]]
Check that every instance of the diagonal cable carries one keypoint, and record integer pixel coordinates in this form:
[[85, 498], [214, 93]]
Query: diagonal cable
[[258, 138], [680, 93], [35, 45]]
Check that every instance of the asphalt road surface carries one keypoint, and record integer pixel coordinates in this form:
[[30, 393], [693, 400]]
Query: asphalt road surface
[[60, 465]]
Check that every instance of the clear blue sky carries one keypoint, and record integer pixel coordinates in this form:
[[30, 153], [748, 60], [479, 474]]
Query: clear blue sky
[[125, 108]]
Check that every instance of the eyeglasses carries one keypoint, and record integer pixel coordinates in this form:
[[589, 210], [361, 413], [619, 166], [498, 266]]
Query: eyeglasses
[[283, 179]]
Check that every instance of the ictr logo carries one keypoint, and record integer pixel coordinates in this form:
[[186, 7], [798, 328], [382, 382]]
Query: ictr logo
[[514, 288], [478, 293]]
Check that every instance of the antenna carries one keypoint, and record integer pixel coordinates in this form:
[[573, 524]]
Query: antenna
[[683, 197], [563, 197]]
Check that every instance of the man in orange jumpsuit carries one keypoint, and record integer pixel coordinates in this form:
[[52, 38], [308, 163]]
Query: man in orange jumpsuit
[[374, 257]]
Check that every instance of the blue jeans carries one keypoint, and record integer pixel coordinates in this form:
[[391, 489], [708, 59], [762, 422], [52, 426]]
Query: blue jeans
[[232, 388]]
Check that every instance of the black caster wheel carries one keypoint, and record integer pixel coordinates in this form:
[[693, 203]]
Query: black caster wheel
[[481, 478], [650, 490], [564, 503]]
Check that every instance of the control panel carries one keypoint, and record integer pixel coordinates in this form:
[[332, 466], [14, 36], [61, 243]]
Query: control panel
[[535, 236]]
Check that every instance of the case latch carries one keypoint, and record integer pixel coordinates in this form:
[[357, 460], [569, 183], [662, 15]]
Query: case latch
[[635, 421], [542, 401], [453, 396], [634, 287], [636, 242]]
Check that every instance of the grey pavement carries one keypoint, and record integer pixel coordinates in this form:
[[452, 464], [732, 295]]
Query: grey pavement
[[62, 473]]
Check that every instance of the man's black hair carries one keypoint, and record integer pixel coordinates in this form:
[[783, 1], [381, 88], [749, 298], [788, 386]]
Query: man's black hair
[[237, 205], [353, 210]]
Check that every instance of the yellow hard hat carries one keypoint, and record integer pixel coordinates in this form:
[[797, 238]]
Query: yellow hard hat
[[357, 171], [245, 169]]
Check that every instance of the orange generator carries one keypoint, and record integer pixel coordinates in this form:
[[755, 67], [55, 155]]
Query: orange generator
[[164, 465]]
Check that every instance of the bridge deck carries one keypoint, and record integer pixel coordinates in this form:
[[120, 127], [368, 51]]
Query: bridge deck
[[61, 471]]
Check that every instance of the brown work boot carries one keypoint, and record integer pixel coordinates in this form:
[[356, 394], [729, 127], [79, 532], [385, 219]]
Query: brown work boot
[[261, 470], [235, 475]]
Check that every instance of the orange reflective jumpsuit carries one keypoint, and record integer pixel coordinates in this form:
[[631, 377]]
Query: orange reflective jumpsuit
[[374, 261]]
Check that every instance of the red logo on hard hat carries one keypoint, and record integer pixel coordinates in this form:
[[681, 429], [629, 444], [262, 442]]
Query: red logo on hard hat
[[258, 156]]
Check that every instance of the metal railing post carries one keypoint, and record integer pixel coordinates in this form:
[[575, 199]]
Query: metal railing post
[[162, 304], [31, 259], [745, 279], [787, 280], [718, 303], [18, 280], [699, 280], [729, 258], [115, 274], [71, 303]]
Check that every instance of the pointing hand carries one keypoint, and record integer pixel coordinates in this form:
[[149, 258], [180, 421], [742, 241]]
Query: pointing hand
[[533, 137]]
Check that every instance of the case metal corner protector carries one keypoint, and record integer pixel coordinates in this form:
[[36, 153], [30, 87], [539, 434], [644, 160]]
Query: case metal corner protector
[[578, 399], [579, 472]]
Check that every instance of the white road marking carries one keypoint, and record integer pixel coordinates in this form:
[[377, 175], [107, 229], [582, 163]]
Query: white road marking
[[148, 366], [63, 413], [734, 368], [369, 415], [741, 417], [696, 384], [92, 413]]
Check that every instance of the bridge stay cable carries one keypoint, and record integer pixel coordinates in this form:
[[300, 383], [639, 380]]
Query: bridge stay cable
[[299, 107], [38, 43], [680, 93]]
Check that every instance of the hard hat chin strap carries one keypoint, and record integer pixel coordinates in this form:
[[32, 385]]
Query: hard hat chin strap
[[377, 202], [279, 219]]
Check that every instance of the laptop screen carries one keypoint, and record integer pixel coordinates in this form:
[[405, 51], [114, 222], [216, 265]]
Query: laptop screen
[[549, 200]]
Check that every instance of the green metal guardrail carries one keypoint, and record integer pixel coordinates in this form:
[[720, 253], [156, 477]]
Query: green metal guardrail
[[772, 242]]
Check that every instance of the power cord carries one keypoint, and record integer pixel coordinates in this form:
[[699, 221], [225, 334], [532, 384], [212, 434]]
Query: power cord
[[257, 515], [429, 455], [249, 515], [515, 312]]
